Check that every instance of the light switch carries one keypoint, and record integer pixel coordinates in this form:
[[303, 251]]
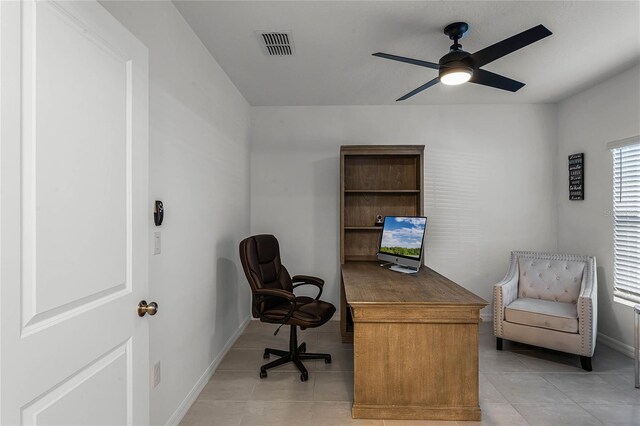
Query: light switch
[[157, 243], [156, 374]]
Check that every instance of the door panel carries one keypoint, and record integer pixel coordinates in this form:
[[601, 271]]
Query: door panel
[[75, 176], [73, 216], [106, 379]]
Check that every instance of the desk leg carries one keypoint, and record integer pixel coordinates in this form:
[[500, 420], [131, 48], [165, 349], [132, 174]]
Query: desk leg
[[346, 320]]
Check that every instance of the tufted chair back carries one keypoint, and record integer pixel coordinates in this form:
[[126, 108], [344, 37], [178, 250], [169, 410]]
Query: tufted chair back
[[260, 256], [552, 277]]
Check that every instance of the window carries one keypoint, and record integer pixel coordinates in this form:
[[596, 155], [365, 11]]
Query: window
[[626, 220]]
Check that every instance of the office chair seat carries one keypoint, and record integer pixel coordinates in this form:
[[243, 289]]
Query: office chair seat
[[274, 300], [313, 313]]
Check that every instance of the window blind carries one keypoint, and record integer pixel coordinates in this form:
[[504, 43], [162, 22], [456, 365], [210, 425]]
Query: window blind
[[626, 215]]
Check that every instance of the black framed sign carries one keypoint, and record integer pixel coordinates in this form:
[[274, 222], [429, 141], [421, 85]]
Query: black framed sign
[[576, 176]]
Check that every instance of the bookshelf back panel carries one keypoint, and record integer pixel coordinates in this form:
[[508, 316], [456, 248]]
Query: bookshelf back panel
[[381, 172], [361, 209], [361, 244]]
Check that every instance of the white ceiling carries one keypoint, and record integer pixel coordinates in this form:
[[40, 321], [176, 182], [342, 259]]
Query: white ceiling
[[334, 41]]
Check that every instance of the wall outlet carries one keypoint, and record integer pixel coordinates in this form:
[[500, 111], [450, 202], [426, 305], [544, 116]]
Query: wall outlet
[[156, 374], [157, 242]]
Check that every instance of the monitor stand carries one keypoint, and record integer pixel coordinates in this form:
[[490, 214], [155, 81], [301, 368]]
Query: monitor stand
[[403, 269]]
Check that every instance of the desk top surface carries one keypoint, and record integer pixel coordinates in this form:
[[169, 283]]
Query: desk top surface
[[368, 282]]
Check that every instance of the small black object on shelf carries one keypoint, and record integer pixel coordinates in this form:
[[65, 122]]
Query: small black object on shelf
[[576, 176], [379, 220]]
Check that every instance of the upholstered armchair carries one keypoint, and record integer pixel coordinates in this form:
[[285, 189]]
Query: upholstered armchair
[[548, 300]]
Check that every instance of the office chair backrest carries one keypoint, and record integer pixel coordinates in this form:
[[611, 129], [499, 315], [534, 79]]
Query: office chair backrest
[[260, 257]]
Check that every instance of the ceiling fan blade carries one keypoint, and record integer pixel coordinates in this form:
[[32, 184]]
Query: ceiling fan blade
[[509, 45], [419, 89], [408, 60], [487, 78]]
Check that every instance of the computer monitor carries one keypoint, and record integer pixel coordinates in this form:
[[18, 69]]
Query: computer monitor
[[402, 242]]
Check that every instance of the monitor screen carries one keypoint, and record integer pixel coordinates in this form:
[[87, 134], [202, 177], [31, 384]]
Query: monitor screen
[[403, 236]]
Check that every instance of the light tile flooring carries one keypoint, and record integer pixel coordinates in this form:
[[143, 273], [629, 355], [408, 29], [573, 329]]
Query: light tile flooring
[[518, 386]]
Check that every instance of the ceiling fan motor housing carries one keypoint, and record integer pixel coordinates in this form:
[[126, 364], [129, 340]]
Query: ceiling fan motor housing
[[455, 61]]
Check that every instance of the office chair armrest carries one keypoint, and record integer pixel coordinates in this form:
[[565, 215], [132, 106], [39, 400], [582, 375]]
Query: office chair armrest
[[275, 292], [307, 279], [262, 293]]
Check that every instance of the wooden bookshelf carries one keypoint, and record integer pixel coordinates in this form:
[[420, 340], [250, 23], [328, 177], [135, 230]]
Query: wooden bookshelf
[[384, 180]]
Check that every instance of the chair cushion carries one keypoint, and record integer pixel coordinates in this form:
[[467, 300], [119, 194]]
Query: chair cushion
[[558, 316], [308, 314], [549, 279]]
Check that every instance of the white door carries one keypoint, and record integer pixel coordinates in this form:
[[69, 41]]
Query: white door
[[73, 216]]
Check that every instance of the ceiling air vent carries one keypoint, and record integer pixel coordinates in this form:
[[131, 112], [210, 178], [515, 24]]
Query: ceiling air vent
[[276, 43]]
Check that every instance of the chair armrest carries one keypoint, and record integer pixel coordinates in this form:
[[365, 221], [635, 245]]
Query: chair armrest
[[301, 280], [504, 292], [588, 309], [508, 289], [307, 279], [276, 292], [262, 293]]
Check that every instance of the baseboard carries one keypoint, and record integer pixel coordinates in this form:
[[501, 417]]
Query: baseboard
[[486, 317], [616, 345], [184, 406]]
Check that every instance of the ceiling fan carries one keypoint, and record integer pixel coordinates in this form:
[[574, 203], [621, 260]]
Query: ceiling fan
[[458, 66]]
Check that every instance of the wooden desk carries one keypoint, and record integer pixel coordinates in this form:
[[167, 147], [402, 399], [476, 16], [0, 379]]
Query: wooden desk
[[415, 344]]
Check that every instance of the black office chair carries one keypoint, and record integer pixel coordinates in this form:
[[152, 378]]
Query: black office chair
[[274, 301]]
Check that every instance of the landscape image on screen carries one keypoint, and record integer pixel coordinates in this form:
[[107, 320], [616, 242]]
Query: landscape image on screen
[[403, 236]]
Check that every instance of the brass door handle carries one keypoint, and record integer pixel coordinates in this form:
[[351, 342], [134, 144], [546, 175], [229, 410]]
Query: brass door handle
[[143, 308]]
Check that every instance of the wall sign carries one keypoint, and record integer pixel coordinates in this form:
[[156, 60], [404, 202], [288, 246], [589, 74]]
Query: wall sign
[[576, 176]]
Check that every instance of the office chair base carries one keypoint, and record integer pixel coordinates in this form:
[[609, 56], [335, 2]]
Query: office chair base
[[295, 354]]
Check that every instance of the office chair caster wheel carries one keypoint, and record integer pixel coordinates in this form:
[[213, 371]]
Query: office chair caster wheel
[[303, 348], [327, 360], [304, 377], [265, 355], [263, 374]]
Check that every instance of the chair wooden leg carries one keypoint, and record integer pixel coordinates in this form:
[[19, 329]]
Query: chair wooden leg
[[585, 361], [498, 343]]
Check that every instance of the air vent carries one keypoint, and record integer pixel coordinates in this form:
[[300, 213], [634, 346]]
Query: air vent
[[276, 43]]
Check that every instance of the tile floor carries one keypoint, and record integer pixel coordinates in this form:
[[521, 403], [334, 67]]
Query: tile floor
[[518, 386]]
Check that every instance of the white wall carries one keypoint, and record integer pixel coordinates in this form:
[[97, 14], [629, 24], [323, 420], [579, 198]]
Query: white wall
[[489, 182], [199, 161], [587, 121]]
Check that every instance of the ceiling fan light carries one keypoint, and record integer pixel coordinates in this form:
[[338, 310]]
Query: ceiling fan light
[[456, 76]]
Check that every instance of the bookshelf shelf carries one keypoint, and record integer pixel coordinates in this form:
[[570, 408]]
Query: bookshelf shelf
[[363, 228]]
